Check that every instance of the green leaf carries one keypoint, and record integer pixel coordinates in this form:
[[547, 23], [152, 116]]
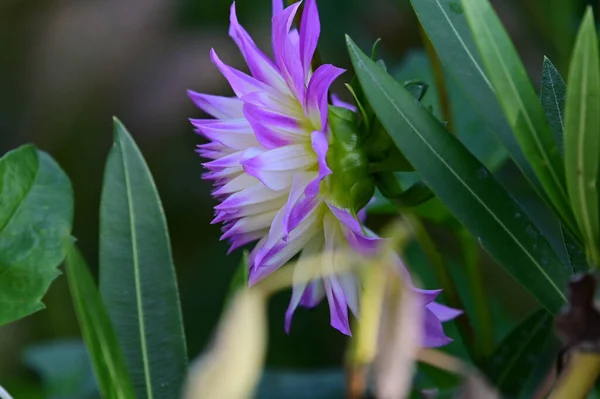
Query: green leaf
[[519, 102], [64, 367], [514, 360], [137, 277], [100, 339], [36, 210], [447, 28], [552, 96], [582, 134], [464, 185], [470, 127]]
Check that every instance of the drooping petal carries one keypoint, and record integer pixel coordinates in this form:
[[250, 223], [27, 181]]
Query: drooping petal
[[259, 64], [314, 294], [272, 129], [299, 205], [320, 147], [274, 252], [310, 29], [338, 305], [349, 284], [241, 83], [299, 289], [217, 106], [249, 224], [434, 335], [354, 235], [316, 96]]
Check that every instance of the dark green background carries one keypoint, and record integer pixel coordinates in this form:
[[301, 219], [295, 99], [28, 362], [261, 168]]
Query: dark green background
[[67, 66]]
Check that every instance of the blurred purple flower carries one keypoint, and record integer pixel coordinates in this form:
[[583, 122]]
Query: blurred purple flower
[[268, 149]]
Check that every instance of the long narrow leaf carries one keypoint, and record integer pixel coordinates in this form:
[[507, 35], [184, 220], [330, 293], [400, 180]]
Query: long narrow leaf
[[464, 185], [100, 339], [552, 96], [137, 277], [513, 361], [446, 26], [519, 101], [582, 134]]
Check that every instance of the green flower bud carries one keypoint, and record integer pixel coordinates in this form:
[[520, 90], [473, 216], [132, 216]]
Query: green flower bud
[[350, 185]]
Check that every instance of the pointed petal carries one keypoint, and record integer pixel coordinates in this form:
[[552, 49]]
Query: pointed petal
[[241, 83], [287, 51], [299, 205], [316, 96], [259, 64], [444, 313], [310, 29], [338, 305], [217, 106], [236, 134], [434, 335], [338, 102]]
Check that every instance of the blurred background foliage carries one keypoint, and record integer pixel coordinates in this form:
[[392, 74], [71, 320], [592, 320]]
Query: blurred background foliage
[[67, 66]]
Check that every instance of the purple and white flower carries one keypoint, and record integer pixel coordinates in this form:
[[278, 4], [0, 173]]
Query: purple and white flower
[[268, 150]]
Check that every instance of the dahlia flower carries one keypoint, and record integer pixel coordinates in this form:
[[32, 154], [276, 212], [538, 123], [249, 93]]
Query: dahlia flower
[[269, 151]]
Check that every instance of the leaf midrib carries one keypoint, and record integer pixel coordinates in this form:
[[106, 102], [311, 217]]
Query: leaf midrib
[[581, 150], [27, 192], [441, 159], [462, 43], [136, 271], [521, 106], [560, 118]]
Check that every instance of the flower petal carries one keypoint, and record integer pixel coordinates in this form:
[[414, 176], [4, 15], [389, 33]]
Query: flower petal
[[287, 52], [310, 29], [444, 313], [236, 134], [320, 147], [259, 64], [434, 335], [299, 205], [338, 305], [338, 102], [217, 106], [299, 289], [272, 129], [241, 83], [316, 103], [313, 295]]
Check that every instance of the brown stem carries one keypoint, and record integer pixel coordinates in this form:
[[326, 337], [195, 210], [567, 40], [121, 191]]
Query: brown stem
[[440, 81]]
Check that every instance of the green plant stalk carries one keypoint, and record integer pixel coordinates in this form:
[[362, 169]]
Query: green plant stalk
[[475, 277], [440, 80], [579, 378], [445, 280]]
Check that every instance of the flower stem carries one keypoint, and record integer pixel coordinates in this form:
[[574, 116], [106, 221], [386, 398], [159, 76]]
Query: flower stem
[[579, 378], [444, 278], [440, 81]]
